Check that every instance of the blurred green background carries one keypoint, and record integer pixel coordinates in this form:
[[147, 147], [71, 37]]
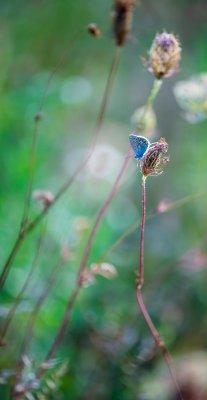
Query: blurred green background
[[109, 349]]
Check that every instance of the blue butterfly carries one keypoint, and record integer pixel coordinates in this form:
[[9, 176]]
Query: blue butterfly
[[140, 145]]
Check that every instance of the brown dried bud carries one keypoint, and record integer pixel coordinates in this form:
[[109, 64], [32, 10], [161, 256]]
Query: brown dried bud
[[44, 197], [164, 55], [153, 160], [94, 30], [122, 19]]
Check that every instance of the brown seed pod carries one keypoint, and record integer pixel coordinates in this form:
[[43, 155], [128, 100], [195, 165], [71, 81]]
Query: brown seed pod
[[94, 30], [122, 19], [153, 161]]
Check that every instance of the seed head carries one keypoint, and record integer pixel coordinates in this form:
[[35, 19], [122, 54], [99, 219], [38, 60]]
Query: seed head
[[164, 55], [154, 159], [94, 30], [122, 19]]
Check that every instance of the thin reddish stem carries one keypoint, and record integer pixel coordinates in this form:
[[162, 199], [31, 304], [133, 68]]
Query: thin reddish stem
[[64, 322], [66, 317], [158, 340], [141, 245]]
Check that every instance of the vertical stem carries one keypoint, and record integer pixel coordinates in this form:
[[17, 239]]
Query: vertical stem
[[141, 245], [157, 338], [155, 89]]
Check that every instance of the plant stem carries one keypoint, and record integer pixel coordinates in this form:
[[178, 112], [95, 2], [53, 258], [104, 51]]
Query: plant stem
[[140, 280], [31, 323], [155, 89], [37, 120], [83, 263], [157, 338], [99, 122], [28, 228], [66, 317], [172, 206], [24, 287]]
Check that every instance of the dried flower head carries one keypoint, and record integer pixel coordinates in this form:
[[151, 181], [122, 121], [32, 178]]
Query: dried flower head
[[94, 30], [122, 19], [154, 159], [44, 197], [164, 55]]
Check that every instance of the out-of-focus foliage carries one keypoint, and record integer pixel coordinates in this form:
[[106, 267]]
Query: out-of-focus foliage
[[191, 95], [109, 350]]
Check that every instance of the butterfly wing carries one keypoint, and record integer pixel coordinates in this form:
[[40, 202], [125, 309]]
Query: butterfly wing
[[140, 145]]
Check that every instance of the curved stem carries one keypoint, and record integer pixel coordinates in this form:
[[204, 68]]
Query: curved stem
[[71, 301], [157, 338], [66, 317], [28, 228]]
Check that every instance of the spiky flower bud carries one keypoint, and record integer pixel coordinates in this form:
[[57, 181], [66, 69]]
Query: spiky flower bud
[[164, 55], [154, 159], [122, 19]]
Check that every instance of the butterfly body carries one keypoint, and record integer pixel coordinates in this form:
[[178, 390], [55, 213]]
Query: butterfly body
[[140, 145]]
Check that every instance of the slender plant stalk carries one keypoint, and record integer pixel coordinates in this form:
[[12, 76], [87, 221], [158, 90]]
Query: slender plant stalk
[[154, 92], [66, 317], [29, 227], [141, 248], [37, 120], [27, 281], [32, 319], [157, 338], [83, 264]]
